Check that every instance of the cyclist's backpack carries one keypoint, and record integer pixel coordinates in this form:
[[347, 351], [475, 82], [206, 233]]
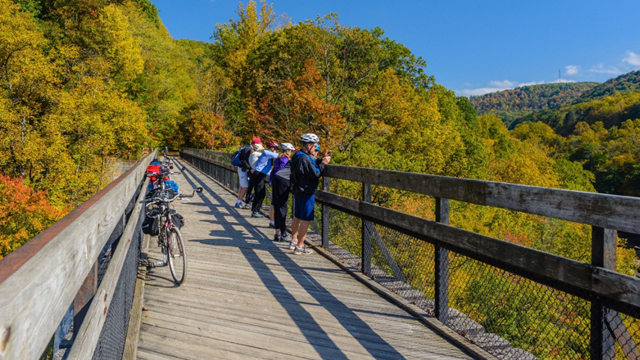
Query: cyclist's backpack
[[235, 159]]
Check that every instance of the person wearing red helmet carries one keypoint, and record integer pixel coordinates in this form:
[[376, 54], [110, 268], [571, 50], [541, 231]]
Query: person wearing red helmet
[[261, 171]]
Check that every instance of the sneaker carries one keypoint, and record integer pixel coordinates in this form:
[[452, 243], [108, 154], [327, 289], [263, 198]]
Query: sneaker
[[257, 214], [285, 237], [247, 206], [239, 205], [277, 237], [272, 224], [292, 245], [302, 251]]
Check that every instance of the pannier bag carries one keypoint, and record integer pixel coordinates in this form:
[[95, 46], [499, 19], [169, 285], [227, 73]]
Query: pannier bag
[[170, 184], [176, 219], [151, 223]]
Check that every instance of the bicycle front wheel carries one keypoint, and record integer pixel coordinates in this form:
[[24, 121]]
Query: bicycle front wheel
[[177, 256]]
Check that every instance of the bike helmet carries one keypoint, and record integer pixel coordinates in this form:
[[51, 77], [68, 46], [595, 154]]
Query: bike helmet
[[287, 146], [273, 144], [256, 141], [310, 138]]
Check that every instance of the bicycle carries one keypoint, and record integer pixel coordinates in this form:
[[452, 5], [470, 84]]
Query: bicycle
[[169, 222]]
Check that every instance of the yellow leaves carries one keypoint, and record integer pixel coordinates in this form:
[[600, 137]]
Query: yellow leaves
[[124, 52], [18, 31]]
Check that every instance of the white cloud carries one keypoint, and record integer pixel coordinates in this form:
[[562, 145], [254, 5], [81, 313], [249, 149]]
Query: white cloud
[[601, 69], [572, 69], [496, 85], [478, 91], [632, 59], [530, 83], [502, 84], [561, 80]]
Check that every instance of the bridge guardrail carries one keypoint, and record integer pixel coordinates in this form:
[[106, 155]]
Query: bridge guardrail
[[58, 271], [454, 257]]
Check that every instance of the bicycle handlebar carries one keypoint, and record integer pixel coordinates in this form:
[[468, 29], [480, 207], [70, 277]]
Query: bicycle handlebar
[[176, 197]]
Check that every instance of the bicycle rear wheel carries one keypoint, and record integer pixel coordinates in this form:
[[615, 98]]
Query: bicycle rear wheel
[[177, 256]]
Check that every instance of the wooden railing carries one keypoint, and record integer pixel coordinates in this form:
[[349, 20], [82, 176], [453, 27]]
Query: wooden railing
[[607, 290], [56, 270]]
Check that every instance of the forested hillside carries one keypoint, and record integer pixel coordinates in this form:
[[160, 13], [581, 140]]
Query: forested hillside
[[624, 83], [599, 130], [518, 102]]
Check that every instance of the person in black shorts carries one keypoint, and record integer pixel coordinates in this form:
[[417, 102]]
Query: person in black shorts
[[281, 185], [306, 170]]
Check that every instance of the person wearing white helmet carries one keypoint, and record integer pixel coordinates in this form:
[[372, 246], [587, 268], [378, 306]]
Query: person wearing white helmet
[[306, 170], [280, 184]]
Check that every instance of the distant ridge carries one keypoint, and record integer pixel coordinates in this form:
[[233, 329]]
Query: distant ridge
[[623, 83], [518, 102]]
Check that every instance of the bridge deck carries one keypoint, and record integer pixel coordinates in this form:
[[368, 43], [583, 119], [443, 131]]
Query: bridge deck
[[248, 297]]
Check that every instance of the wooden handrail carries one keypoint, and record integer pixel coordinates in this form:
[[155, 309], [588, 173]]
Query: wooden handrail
[[607, 211], [39, 281], [603, 210]]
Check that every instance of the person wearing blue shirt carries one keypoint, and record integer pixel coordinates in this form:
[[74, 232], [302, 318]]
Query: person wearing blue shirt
[[306, 170], [261, 170]]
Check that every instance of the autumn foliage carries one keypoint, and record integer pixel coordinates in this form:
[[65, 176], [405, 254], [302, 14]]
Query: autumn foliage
[[23, 213]]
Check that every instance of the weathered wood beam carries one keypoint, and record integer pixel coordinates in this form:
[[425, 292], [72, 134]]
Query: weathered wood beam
[[607, 211]]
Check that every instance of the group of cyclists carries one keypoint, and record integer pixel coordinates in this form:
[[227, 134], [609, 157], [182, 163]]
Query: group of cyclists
[[287, 171]]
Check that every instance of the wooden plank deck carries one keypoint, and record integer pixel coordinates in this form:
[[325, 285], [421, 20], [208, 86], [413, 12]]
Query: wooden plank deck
[[247, 297]]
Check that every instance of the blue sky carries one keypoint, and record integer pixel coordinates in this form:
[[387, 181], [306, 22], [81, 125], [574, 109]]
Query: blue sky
[[470, 46]]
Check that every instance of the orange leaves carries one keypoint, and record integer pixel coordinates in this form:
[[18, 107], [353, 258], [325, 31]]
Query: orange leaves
[[23, 213], [208, 130], [299, 105]]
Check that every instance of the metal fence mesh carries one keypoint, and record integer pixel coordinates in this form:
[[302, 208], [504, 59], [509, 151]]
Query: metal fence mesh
[[626, 331], [114, 332], [505, 313], [404, 265], [345, 238]]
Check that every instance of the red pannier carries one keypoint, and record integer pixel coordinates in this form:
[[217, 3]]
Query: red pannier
[[157, 170]]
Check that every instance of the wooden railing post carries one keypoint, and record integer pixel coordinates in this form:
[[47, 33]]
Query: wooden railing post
[[603, 254], [326, 181], [366, 238], [442, 266]]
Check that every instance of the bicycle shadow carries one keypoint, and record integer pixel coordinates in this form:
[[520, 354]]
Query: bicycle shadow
[[231, 236]]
